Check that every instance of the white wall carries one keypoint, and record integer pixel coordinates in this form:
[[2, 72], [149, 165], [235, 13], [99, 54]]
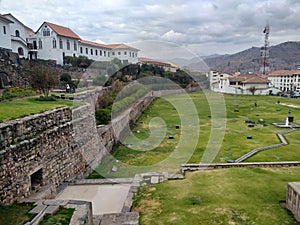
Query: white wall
[[103, 54], [126, 54], [5, 41], [48, 52]]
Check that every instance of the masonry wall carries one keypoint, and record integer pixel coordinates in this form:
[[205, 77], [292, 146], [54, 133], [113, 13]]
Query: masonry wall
[[44, 150]]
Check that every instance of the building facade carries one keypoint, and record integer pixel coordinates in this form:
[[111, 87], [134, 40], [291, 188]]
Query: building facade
[[244, 84], [5, 38], [285, 80], [54, 42]]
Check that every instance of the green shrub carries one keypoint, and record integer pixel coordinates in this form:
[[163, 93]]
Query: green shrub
[[46, 98], [103, 116]]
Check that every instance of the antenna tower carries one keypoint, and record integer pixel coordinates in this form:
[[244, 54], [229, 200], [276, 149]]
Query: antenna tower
[[264, 52]]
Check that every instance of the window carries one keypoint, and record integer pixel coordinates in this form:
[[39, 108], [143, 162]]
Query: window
[[108, 54], [91, 51], [4, 29], [125, 53], [86, 51], [17, 33], [96, 52], [119, 53], [54, 43], [40, 44], [68, 45], [46, 31], [75, 46], [129, 54], [61, 44], [20, 51], [81, 50], [104, 52], [100, 52], [113, 53]]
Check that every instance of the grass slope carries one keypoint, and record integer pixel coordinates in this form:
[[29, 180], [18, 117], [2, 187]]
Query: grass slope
[[227, 196], [28, 106], [16, 214]]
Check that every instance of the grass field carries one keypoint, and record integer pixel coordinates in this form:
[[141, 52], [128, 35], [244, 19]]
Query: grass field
[[28, 106], [16, 214], [234, 144], [228, 196]]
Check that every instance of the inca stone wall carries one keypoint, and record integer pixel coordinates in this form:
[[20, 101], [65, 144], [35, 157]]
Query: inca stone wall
[[44, 149]]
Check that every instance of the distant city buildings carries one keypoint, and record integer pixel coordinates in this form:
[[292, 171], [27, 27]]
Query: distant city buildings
[[54, 42], [166, 66], [241, 84], [285, 80]]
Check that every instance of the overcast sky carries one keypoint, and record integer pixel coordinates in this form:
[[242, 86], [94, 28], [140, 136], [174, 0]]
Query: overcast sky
[[201, 27]]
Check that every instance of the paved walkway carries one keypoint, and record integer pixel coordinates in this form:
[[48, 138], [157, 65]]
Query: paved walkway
[[107, 198]]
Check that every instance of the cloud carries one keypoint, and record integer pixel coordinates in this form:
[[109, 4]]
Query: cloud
[[207, 26]]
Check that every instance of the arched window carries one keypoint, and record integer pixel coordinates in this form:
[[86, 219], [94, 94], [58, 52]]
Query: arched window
[[46, 31], [40, 44], [60, 43], [17, 33], [54, 43], [20, 51], [68, 44]]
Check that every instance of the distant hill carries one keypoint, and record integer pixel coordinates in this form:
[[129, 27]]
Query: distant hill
[[282, 56]]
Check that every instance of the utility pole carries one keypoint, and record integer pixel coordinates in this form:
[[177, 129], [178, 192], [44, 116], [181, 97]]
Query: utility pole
[[264, 52]]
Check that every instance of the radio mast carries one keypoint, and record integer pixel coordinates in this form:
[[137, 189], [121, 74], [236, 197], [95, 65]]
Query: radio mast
[[264, 52]]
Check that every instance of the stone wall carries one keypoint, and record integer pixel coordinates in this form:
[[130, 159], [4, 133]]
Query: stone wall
[[45, 149]]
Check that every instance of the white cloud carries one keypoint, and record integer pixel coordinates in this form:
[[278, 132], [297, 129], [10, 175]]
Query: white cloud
[[206, 26]]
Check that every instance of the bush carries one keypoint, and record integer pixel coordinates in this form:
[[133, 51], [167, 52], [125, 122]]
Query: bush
[[103, 116], [16, 92], [46, 98]]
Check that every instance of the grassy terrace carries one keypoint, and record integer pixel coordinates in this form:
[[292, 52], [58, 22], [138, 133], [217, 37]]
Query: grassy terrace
[[235, 142], [28, 106], [229, 196], [16, 213]]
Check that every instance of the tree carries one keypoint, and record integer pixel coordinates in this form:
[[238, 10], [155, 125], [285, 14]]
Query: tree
[[252, 89], [42, 78], [65, 77]]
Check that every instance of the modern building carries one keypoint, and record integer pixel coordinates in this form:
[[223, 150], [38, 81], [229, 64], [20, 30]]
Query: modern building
[[214, 77], [285, 80], [293, 199], [244, 84], [54, 42]]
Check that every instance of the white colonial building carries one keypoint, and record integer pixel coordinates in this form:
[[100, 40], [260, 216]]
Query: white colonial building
[[243, 84], [285, 80], [5, 38], [54, 42]]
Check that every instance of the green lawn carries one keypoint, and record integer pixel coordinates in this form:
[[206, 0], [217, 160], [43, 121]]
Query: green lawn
[[232, 146], [28, 106], [228, 196], [61, 217], [16, 214]]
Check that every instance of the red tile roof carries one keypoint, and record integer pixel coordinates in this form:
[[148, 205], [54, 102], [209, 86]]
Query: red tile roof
[[93, 44], [63, 31], [121, 46], [3, 18], [283, 73], [249, 78], [153, 61]]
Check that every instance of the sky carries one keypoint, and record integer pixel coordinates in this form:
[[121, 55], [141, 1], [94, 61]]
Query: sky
[[168, 28]]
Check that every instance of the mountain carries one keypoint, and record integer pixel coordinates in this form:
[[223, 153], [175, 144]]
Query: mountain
[[282, 56]]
